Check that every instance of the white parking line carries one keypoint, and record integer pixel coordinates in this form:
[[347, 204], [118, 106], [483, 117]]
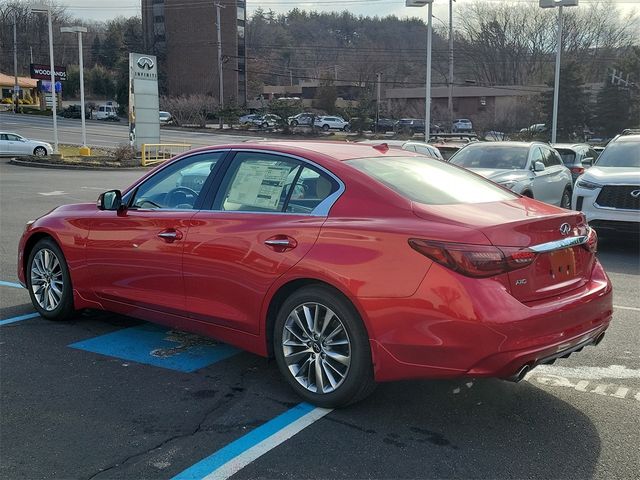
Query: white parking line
[[633, 309]]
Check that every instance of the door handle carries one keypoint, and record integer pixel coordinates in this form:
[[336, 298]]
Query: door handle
[[170, 235], [281, 243]]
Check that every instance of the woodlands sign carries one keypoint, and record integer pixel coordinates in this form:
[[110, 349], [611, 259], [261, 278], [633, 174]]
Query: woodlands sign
[[43, 72]]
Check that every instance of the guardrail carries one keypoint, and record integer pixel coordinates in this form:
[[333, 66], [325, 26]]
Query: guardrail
[[154, 153]]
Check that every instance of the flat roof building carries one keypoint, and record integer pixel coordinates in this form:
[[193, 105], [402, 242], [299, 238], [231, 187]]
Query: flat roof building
[[182, 33]]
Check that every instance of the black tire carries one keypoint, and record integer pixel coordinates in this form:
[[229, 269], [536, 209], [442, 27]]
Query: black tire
[[325, 128], [565, 201], [358, 381], [40, 152], [64, 309], [265, 125], [294, 123]]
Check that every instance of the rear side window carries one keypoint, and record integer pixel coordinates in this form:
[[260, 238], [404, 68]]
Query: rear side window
[[430, 181]]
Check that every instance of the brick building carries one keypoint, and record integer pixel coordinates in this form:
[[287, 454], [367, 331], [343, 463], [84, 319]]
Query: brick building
[[183, 35]]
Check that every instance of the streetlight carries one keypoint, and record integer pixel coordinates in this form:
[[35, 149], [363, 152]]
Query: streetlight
[[46, 9], [84, 150], [427, 115], [556, 84]]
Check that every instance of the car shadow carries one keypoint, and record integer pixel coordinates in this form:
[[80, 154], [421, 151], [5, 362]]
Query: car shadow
[[620, 253], [466, 429]]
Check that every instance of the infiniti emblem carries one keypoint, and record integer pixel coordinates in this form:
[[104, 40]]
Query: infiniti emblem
[[565, 228], [145, 62], [635, 193]]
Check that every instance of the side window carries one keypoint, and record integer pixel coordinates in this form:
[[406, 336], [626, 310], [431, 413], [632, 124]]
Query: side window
[[3, 136], [591, 153], [177, 186], [537, 156], [257, 182], [13, 138], [310, 189], [552, 158]]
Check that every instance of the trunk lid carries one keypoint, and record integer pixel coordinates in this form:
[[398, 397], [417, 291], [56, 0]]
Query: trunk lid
[[524, 223]]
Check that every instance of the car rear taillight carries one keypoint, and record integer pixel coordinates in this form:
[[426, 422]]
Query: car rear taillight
[[592, 241], [474, 260], [577, 170]]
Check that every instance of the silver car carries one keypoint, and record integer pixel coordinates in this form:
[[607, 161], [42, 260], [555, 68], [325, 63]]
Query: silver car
[[532, 169], [14, 144]]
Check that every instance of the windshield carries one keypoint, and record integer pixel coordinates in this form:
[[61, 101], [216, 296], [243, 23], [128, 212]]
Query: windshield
[[431, 182], [492, 156], [568, 156], [620, 154]]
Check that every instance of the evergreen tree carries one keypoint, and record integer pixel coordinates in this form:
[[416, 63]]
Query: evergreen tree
[[573, 103], [613, 109]]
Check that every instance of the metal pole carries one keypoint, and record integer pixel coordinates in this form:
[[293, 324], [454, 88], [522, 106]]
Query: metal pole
[[54, 107], [378, 103], [427, 113], [556, 87], [450, 99], [31, 53], [220, 76], [84, 127], [15, 64]]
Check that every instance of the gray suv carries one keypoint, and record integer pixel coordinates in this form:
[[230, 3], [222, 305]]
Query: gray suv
[[577, 157]]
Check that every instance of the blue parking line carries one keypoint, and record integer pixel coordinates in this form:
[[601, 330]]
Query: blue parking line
[[10, 284], [214, 462], [18, 318], [154, 345]]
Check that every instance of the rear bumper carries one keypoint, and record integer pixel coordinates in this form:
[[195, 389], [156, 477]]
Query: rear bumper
[[455, 326]]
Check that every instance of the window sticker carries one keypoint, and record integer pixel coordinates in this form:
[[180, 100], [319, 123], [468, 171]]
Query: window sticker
[[258, 184]]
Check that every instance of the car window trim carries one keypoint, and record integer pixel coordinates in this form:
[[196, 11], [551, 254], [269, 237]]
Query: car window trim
[[321, 210]]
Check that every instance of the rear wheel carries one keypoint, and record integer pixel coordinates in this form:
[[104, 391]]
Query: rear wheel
[[322, 348], [565, 202], [325, 127], [40, 151], [49, 282]]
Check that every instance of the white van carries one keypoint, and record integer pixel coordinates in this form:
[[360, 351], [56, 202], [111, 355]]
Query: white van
[[106, 111]]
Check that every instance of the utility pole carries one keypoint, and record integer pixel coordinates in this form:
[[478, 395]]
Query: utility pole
[[31, 53], [335, 68], [378, 103], [16, 87], [291, 77], [220, 76], [450, 99]]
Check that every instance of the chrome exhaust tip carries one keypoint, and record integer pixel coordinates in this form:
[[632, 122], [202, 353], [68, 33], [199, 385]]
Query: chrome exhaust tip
[[520, 374], [598, 339]]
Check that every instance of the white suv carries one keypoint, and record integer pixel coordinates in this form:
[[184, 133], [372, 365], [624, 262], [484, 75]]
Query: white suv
[[609, 192], [336, 123]]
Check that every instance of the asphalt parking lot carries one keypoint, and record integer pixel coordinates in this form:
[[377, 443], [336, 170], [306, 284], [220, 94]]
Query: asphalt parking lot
[[105, 396]]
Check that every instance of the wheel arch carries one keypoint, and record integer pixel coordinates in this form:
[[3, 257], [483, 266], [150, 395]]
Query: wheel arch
[[30, 243], [285, 290]]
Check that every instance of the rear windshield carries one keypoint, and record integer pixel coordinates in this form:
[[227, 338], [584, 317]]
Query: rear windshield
[[568, 156], [492, 156], [620, 154], [431, 181]]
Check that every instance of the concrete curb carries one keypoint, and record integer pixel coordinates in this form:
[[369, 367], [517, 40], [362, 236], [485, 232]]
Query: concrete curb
[[55, 166]]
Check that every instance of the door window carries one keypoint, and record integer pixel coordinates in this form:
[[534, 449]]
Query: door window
[[178, 186], [262, 182], [536, 156], [550, 159], [13, 138]]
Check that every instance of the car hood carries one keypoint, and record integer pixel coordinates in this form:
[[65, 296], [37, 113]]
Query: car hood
[[613, 175], [501, 175]]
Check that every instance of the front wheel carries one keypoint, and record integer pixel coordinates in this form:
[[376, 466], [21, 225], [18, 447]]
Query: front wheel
[[49, 282], [565, 202], [294, 123], [322, 348], [40, 151]]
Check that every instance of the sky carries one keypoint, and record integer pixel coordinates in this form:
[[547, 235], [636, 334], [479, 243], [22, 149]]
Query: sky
[[97, 10]]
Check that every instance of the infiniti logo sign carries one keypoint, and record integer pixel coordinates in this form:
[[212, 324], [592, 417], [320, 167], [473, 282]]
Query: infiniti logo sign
[[565, 228], [145, 62], [635, 193]]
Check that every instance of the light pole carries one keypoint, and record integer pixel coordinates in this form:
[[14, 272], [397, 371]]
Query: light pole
[[54, 109], [84, 150], [427, 114], [556, 82], [220, 75], [16, 87]]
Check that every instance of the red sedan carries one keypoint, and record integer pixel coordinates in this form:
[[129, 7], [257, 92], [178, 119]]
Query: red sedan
[[351, 264]]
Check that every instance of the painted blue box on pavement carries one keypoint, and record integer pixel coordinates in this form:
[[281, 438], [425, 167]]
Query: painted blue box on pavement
[[153, 345]]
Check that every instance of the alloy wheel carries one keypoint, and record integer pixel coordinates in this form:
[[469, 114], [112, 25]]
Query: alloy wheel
[[47, 282], [316, 348]]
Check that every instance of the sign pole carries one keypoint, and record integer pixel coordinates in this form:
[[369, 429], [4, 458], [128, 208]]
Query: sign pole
[[54, 107]]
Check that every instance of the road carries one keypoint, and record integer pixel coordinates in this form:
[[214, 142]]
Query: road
[[73, 407], [105, 134]]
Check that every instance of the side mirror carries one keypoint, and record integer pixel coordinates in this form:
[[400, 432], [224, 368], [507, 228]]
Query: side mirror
[[538, 167], [111, 200], [587, 162]]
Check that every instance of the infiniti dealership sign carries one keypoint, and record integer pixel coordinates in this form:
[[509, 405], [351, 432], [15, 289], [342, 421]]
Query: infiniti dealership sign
[[144, 122]]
